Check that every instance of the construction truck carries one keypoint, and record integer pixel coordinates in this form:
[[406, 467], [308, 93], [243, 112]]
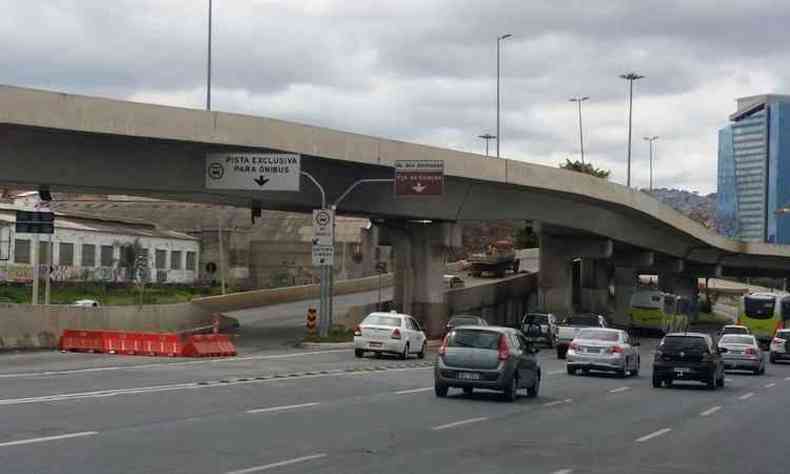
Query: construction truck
[[498, 258]]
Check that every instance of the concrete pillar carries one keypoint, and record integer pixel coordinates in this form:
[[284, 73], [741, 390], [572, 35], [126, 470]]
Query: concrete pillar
[[595, 276], [624, 287], [555, 286], [682, 285], [418, 288]]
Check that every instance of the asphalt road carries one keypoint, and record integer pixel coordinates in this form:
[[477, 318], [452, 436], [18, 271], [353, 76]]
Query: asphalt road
[[327, 412]]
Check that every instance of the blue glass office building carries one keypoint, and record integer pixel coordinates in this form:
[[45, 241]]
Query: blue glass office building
[[754, 170]]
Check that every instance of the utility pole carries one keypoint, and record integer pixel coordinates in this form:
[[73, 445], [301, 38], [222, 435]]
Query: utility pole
[[651, 140], [208, 82], [630, 77], [487, 137], [579, 100], [499, 40]]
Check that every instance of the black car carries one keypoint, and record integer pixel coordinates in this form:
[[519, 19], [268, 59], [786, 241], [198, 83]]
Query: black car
[[464, 320], [688, 356]]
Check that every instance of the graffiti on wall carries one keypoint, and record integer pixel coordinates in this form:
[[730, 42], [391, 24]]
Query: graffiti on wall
[[21, 273]]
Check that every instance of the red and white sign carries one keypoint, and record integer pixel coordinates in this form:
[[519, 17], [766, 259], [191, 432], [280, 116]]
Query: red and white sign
[[419, 178]]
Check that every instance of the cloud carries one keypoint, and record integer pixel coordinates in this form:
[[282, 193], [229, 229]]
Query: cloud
[[426, 71]]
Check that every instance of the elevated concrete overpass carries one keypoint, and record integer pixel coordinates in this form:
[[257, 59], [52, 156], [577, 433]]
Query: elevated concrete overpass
[[76, 143]]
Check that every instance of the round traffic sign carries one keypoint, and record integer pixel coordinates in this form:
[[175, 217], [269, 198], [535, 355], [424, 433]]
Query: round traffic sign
[[322, 217]]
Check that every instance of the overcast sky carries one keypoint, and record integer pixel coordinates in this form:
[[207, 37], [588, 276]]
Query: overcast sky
[[425, 71]]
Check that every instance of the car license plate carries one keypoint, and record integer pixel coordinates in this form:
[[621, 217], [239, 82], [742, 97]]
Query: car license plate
[[593, 350], [374, 344], [680, 371], [468, 376]]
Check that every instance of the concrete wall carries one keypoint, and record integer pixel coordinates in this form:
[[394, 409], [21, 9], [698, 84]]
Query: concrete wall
[[40, 327]]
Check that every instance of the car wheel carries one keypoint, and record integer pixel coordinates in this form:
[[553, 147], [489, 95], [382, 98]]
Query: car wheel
[[720, 382], [359, 353], [440, 389], [468, 390], [635, 373], [585, 372], [532, 392], [377, 355], [511, 391], [560, 353], [624, 371], [421, 354], [571, 370], [656, 382], [712, 383], [668, 382], [550, 342], [772, 358], [405, 354]]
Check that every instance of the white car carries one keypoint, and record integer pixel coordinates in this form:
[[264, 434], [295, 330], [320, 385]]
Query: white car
[[603, 349], [389, 333], [86, 303]]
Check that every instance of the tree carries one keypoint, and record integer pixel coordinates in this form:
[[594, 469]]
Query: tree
[[586, 168]]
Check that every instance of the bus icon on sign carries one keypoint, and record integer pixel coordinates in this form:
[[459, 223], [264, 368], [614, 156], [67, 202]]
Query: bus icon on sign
[[216, 170]]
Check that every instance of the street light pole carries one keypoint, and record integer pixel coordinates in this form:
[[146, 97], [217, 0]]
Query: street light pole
[[579, 100], [208, 82], [630, 77], [486, 137], [499, 40], [651, 140]]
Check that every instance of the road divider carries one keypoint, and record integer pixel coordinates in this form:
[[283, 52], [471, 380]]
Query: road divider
[[48, 438], [150, 344], [654, 434], [459, 423], [287, 462], [282, 408]]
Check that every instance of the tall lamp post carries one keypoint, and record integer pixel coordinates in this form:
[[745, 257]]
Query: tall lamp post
[[208, 67], [487, 137], [499, 40], [630, 77], [651, 140], [579, 100]]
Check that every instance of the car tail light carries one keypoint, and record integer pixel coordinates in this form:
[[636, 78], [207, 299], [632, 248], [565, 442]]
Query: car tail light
[[573, 346], [750, 351], [357, 331], [443, 347], [504, 349], [615, 350], [777, 340], [395, 333]]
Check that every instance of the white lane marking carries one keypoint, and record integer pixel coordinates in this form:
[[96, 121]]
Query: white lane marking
[[770, 385], [710, 411], [49, 438], [283, 407], [459, 423], [165, 364], [787, 379], [727, 379], [563, 471], [620, 389], [287, 462], [557, 402], [654, 434], [187, 386], [556, 372], [414, 390], [746, 396]]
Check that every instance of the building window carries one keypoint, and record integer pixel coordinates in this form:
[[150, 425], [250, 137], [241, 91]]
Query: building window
[[191, 261], [161, 258], [89, 255], [106, 255], [21, 251], [175, 260], [66, 254], [43, 253]]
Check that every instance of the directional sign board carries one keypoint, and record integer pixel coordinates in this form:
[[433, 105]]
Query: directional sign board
[[323, 255], [419, 178], [35, 222], [323, 227], [253, 171]]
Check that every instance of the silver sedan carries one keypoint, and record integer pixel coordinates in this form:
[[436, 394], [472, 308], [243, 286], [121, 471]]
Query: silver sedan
[[603, 349], [741, 352]]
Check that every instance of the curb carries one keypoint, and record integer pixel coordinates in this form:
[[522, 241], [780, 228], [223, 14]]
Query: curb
[[432, 344]]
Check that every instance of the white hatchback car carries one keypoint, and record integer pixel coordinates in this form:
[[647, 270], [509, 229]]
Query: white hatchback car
[[389, 333]]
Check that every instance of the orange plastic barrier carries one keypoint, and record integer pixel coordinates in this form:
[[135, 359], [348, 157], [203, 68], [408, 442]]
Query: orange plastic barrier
[[152, 344]]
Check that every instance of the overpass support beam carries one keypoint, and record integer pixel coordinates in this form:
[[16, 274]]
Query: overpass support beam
[[419, 262], [682, 285], [636, 258], [596, 274], [665, 265], [625, 280]]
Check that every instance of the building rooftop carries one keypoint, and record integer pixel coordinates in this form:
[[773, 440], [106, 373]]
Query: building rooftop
[[752, 103]]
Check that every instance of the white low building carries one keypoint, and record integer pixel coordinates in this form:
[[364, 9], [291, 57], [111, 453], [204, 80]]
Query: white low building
[[91, 249]]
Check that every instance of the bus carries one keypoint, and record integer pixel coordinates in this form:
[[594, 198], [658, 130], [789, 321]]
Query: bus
[[764, 314], [646, 310], [676, 309]]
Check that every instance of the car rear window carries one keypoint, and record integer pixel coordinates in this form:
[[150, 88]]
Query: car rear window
[[539, 318], [735, 331], [683, 343], [599, 335], [461, 321], [783, 334], [378, 320], [733, 339], [474, 338], [581, 321]]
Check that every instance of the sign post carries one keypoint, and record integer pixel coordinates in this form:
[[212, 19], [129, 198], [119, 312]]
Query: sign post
[[419, 178], [36, 222], [324, 258]]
